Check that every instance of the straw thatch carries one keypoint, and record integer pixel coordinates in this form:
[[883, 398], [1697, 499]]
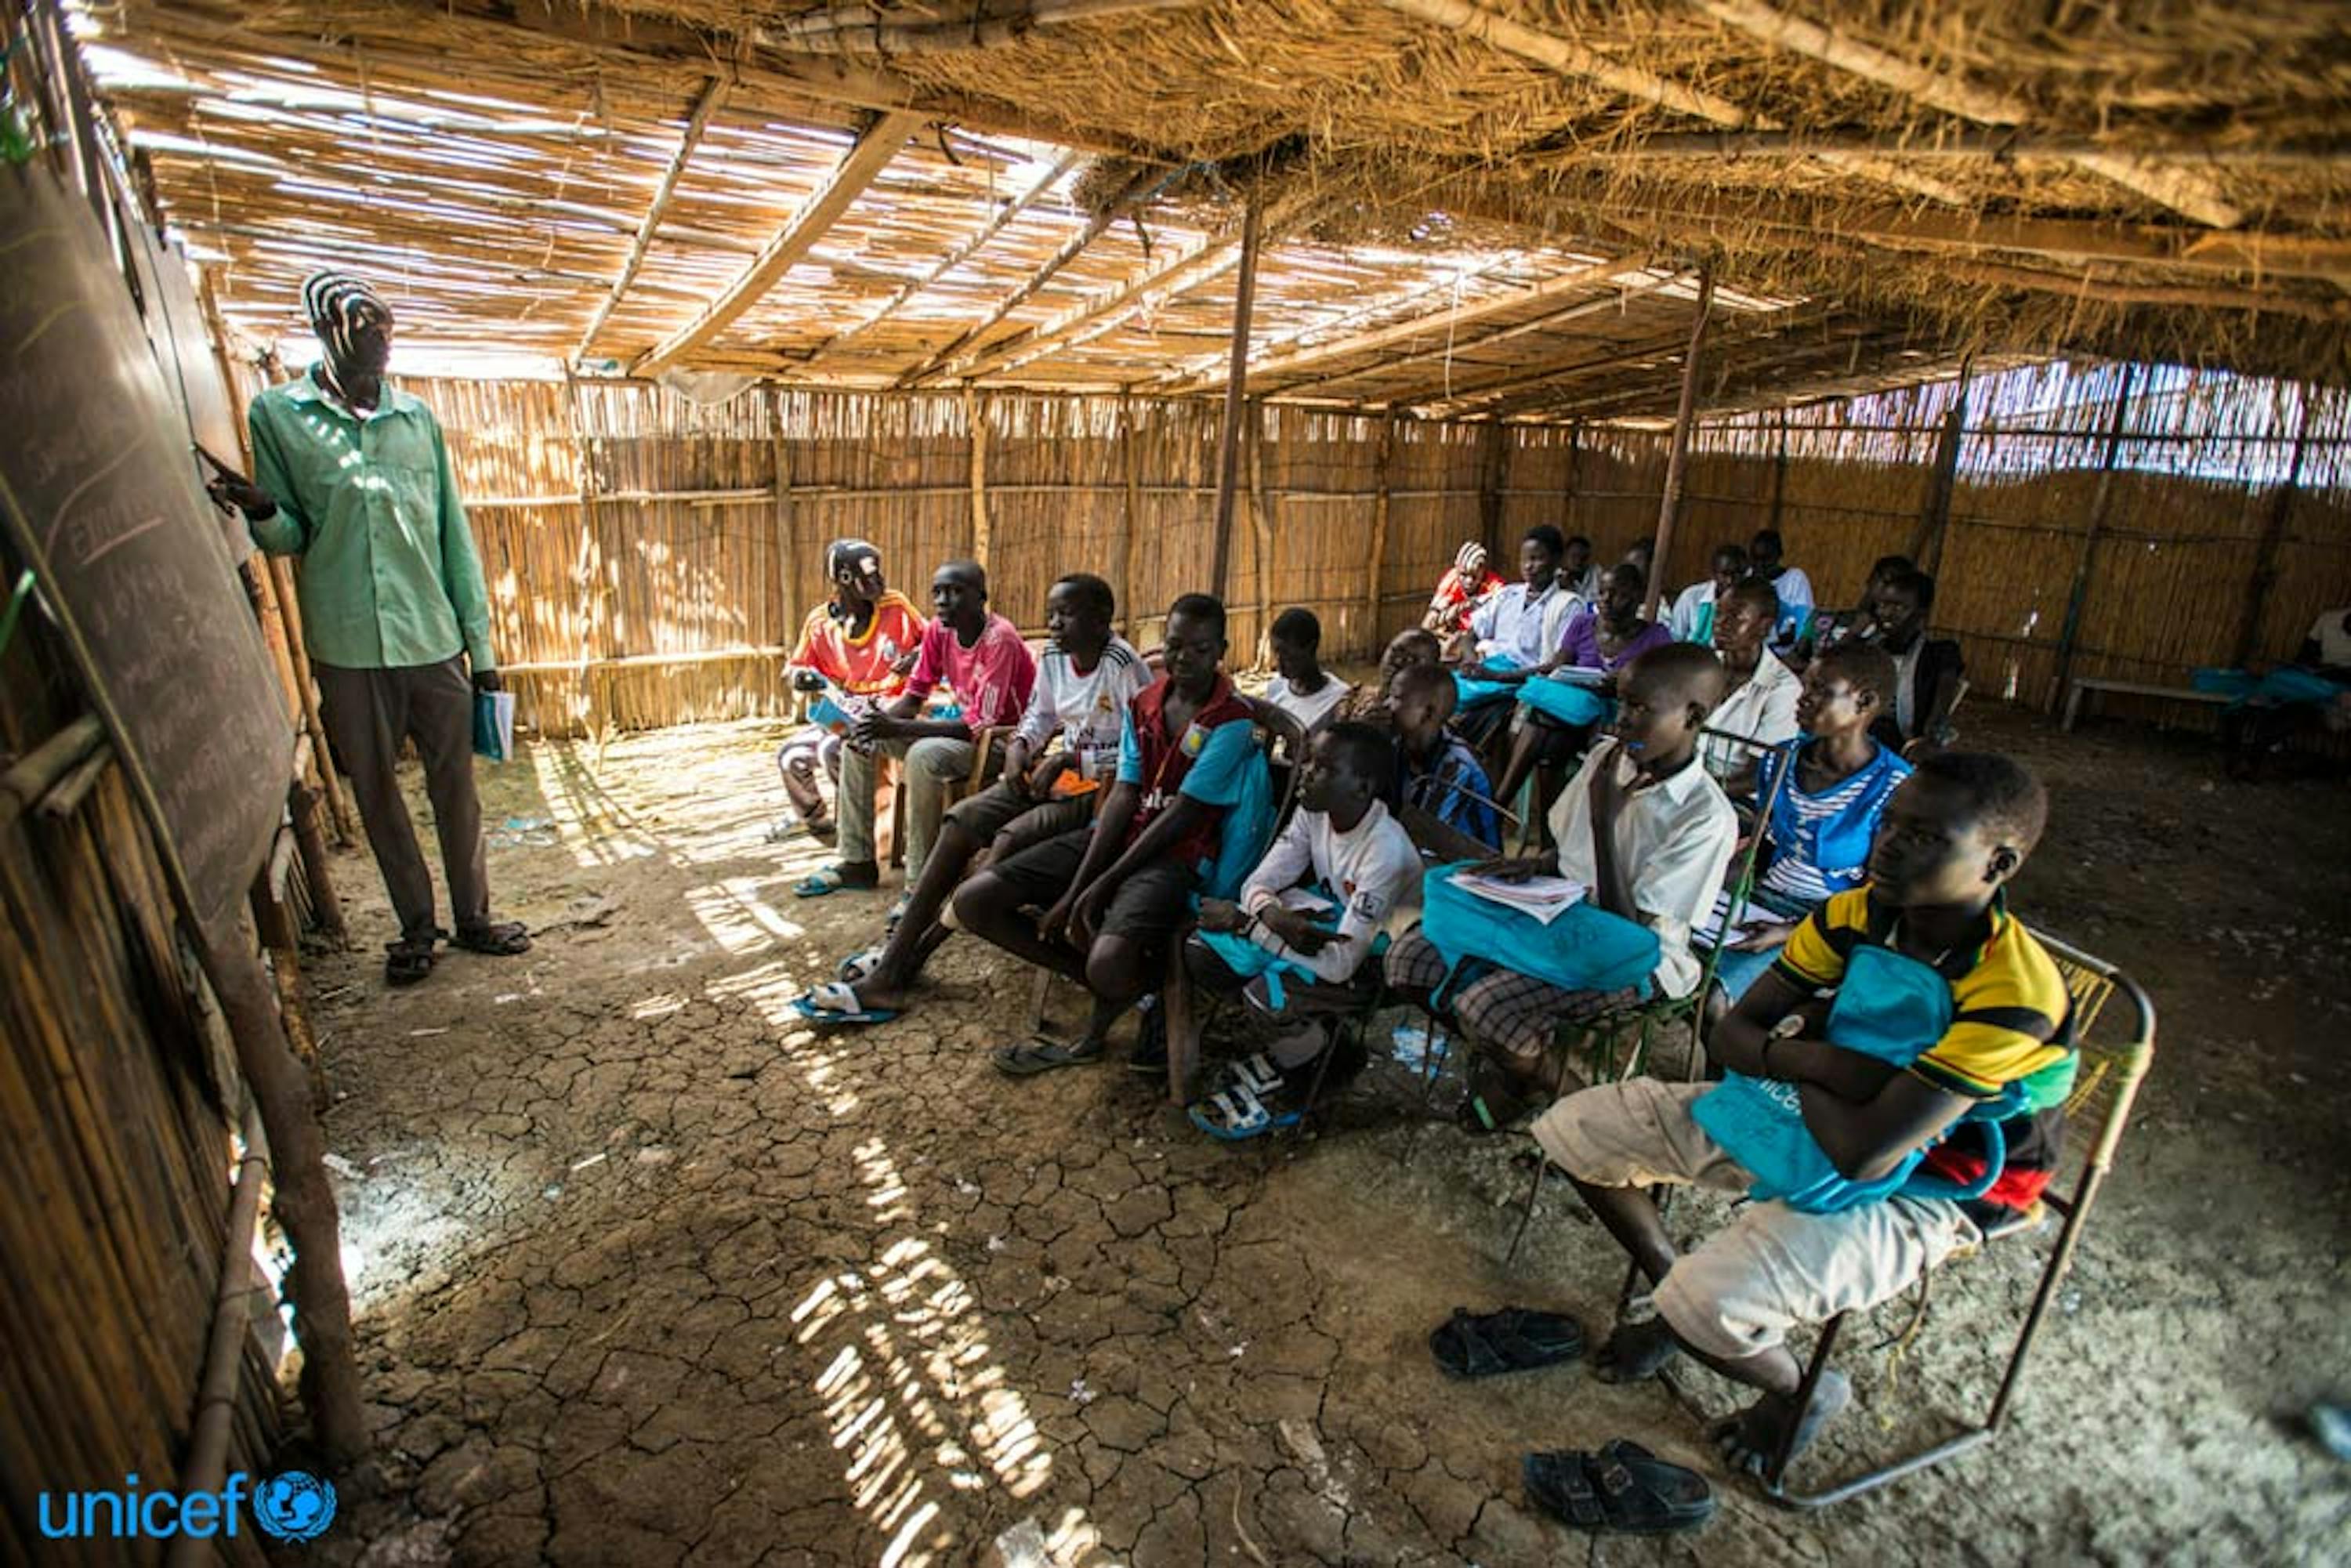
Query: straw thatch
[[846, 196]]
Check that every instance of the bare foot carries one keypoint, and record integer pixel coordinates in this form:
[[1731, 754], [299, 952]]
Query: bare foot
[[1635, 1352], [1751, 1441]]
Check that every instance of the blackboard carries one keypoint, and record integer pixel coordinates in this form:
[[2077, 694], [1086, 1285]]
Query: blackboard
[[176, 330], [97, 497]]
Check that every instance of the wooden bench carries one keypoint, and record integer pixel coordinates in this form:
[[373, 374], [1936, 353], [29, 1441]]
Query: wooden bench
[[2082, 685]]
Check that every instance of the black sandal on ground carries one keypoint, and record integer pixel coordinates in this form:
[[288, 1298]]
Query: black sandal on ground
[[499, 939], [410, 959], [1623, 1489], [1487, 1345]]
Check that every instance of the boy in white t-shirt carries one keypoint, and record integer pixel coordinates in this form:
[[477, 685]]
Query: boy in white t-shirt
[[1085, 679], [1342, 875], [2329, 648], [1300, 686], [1645, 830]]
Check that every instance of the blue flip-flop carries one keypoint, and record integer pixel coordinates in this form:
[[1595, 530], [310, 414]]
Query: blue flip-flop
[[844, 1009], [816, 883]]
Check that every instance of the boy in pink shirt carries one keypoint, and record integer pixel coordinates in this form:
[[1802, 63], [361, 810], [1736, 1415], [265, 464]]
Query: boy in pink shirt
[[978, 656]]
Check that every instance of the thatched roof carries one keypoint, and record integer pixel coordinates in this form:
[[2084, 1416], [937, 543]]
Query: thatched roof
[[1471, 207]]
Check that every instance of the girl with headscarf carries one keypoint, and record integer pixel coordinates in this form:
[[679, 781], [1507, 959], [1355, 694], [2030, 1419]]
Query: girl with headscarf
[[1465, 584]]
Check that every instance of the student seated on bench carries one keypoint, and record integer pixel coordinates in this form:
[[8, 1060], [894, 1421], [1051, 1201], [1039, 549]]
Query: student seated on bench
[[1300, 686], [1465, 586], [1928, 668], [1305, 928], [1645, 830], [1084, 682], [1596, 644], [975, 653], [1760, 705], [1115, 893], [1824, 819], [1435, 771], [1692, 617], [1928, 969], [861, 642]]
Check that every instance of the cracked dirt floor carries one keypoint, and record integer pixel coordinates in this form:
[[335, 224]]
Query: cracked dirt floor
[[648, 1273]]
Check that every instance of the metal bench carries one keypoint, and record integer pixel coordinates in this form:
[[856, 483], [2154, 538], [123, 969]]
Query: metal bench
[[2082, 685]]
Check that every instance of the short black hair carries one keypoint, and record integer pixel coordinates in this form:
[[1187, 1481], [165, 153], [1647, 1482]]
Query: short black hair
[[2002, 793], [1891, 566], [1758, 593], [1200, 606], [1093, 593], [1731, 552], [1576, 540], [1418, 636], [1690, 664], [1917, 584], [1436, 678], [1640, 578], [1544, 534], [965, 568], [1770, 535], [1297, 626], [1367, 751], [1866, 667]]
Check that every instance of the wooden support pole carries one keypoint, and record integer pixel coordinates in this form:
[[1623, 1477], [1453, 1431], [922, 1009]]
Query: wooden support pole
[[305, 1203], [2273, 529], [975, 411], [1677, 455], [1574, 478], [1493, 476], [1934, 517], [281, 577], [1228, 449], [1261, 509], [780, 468], [1130, 514], [1383, 465], [1779, 476], [302, 801], [2079, 594]]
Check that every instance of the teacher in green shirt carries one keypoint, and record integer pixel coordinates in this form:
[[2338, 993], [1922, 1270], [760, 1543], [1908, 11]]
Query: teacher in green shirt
[[354, 480]]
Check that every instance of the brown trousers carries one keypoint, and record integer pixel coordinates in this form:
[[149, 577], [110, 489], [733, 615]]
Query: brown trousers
[[368, 713]]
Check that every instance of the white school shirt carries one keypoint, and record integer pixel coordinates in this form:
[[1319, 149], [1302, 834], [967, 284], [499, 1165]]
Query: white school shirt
[[1674, 841], [1374, 871], [1308, 711], [2334, 642], [1528, 629], [1086, 709], [1763, 710]]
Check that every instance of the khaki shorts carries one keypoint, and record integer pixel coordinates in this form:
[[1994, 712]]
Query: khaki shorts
[[1739, 1293], [996, 808]]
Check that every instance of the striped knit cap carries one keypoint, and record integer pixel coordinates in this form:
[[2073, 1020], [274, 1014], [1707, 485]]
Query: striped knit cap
[[339, 305], [1471, 561]]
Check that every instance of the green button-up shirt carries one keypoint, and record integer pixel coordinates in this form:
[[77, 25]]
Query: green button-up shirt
[[390, 577]]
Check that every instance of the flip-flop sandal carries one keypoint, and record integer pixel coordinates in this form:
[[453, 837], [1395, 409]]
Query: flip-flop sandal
[[502, 940], [1487, 1344], [835, 1004], [408, 961], [1623, 1489], [1037, 1055], [1233, 1116], [1258, 1074], [859, 967], [832, 878], [897, 913]]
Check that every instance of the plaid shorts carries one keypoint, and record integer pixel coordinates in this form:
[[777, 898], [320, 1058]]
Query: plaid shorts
[[1511, 1012]]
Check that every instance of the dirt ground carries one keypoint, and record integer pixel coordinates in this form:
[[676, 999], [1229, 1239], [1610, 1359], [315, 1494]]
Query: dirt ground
[[647, 1272]]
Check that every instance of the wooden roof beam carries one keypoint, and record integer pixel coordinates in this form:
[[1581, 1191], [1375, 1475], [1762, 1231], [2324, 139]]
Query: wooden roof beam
[[1160, 281], [867, 29], [956, 258], [857, 169], [1570, 59], [714, 93], [1614, 299], [2107, 291], [1028, 287], [1545, 380], [1444, 323], [2067, 239], [2184, 190]]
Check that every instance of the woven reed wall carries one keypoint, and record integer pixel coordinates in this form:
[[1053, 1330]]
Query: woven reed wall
[[117, 1158], [660, 581]]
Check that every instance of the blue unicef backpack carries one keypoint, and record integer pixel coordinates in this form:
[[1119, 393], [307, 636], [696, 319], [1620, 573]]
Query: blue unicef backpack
[[1585, 949], [1889, 1006]]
